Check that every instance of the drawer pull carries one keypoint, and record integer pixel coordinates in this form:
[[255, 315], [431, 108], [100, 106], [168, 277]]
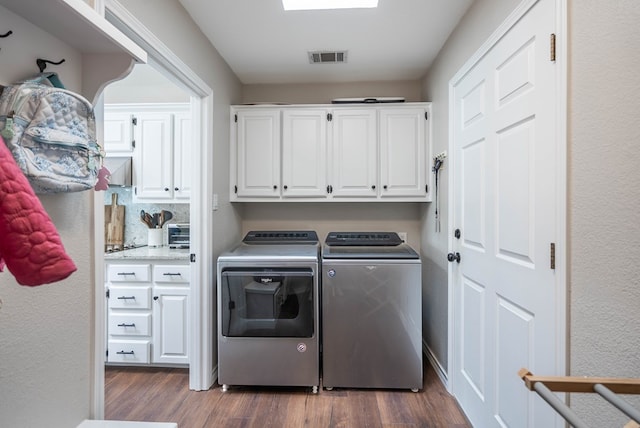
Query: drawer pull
[[126, 273], [127, 298], [127, 325], [125, 353], [171, 274]]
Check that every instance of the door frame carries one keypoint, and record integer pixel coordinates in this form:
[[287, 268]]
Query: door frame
[[201, 370], [561, 174]]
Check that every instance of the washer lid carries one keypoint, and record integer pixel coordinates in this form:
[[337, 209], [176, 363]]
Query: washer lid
[[369, 239], [402, 251], [280, 237]]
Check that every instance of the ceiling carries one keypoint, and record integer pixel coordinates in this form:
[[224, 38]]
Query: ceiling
[[263, 44]]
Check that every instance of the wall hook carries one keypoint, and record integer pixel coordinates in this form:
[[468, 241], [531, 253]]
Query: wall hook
[[42, 63], [7, 34]]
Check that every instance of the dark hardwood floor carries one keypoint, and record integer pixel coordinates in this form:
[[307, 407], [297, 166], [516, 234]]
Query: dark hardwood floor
[[163, 395]]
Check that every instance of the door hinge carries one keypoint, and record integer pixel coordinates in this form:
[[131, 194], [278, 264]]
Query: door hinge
[[235, 118], [235, 189], [552, 255], [426, 188], [108, 295], [426, 115], [192, 258], [134, 120], [552, 47], [107, 353], [329, 117]]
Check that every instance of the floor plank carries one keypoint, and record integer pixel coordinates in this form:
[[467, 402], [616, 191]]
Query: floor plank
[[163, 395]]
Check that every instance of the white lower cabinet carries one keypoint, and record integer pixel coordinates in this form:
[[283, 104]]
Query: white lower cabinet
[[148, 312]]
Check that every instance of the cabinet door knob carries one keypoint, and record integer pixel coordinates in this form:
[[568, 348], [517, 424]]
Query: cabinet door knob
[[286, 187], [373, 187], [155, 297], [166, 189], [384, 187], [176, 189], [275, 187]]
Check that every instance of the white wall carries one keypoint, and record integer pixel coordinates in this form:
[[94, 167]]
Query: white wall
[[480, 21], [144, 85], [604, 200], [45, 331], [323, 93]]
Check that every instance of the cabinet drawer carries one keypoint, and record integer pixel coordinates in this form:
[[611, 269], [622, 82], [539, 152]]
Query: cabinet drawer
[[129, 351], [129, 273], [172, 274], [129, 297], [130, 324]]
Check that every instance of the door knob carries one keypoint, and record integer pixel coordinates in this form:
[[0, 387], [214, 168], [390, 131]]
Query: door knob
[[453, 257]]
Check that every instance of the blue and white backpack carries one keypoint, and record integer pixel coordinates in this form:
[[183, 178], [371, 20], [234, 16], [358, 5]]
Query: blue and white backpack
[[51, 132]]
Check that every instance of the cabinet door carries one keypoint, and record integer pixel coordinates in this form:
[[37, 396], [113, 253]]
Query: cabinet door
[[258, 153], [353, 155], [170, 325], [153, 156], [403, 152], [182, 155], [118, 133], [304, 148]]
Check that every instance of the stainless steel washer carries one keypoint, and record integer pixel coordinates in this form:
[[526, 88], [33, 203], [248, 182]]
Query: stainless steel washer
[[268, 311], [371, 312]]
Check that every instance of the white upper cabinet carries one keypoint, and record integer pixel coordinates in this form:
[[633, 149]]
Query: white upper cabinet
[[304, 153], [158, 136], [153, 156], [403, 152], [354, 153], [182, 146], [118, 131], [331, 153], [257, 153]]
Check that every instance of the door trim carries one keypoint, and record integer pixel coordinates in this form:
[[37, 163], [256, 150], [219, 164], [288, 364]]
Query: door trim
[[201, 371], [561, 173]]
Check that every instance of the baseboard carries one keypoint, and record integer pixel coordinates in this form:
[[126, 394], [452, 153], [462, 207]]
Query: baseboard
[[442, 374]]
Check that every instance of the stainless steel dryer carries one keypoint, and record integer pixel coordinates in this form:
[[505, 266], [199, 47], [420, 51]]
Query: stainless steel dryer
[[268, 311], [371, 312]]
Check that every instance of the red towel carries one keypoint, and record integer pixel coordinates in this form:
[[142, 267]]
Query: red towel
[[29, 242]]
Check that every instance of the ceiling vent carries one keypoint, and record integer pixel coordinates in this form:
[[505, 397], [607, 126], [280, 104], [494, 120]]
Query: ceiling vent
[[327, 57]]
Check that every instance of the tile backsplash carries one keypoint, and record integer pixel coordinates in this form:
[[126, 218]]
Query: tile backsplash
[[135, 232]]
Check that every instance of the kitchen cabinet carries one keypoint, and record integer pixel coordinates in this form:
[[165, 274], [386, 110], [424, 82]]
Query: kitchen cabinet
[[331, 153], [118, 131], [147, 312], [158, 137], [170, 314]]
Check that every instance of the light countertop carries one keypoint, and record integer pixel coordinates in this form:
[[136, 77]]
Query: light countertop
[[155, 253]]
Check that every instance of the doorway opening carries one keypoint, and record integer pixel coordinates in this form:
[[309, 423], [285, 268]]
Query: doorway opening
[[200, 308]]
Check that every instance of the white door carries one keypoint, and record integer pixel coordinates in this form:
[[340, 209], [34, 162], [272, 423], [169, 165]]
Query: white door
[[153, 156], [304, 153], [403, 156], [506, 312], [170, 325], [258, 153], [353, 158], [182, 155]]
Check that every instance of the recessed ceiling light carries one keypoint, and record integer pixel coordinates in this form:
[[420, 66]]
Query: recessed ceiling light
[[328, 4]]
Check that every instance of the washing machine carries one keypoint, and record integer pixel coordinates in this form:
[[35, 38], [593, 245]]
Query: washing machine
[[371, 312], [268, 311]]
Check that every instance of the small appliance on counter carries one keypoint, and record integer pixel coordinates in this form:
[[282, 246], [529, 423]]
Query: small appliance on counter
[[178, 235]]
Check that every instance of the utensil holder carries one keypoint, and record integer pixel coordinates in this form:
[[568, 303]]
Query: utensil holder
[[154, 238]]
